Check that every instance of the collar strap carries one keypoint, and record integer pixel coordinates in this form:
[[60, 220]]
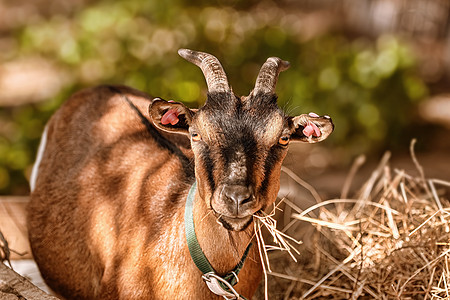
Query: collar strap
[[220, 285]]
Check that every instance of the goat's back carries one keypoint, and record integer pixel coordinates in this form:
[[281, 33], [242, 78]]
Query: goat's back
[[93, 210]]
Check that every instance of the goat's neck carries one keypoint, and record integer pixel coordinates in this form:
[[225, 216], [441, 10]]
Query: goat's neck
[[222, 247]]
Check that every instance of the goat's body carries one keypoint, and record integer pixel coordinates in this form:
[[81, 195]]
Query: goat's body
[[106, 216], [100, 223]]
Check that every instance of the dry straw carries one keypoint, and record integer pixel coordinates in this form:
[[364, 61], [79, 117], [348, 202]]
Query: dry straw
[[390, 241]]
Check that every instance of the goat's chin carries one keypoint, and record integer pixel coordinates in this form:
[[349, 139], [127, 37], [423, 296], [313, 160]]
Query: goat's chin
[[235, 224]]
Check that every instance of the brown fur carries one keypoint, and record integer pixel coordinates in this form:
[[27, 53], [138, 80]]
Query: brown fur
[[100, 223]]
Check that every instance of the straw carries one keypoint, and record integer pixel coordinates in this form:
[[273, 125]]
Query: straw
[[390, 240]]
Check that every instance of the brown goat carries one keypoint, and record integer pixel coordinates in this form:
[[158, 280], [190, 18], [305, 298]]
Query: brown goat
[[106, 216]]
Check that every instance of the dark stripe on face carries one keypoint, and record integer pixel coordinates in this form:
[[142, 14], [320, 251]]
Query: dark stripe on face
[[228, 154], [209, 167], [272, 158], [250, 149], [247, 147]]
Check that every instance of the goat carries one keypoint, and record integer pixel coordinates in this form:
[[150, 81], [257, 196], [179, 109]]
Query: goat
[[106, 215]]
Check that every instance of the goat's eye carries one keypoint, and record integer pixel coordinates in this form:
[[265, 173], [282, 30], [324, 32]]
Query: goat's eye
[[284, 140], [195, 137]]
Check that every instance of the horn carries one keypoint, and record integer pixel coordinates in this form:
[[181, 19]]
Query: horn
[[268, 75], [215, 76]]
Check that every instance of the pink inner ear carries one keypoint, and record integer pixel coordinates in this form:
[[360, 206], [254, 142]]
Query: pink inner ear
[[170, 117], [311, 130]]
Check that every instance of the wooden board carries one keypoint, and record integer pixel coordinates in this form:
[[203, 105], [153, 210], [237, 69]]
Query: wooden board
[[15, 287], [13, 225]]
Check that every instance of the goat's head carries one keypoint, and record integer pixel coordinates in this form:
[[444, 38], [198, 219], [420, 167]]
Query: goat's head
[[238, 143]]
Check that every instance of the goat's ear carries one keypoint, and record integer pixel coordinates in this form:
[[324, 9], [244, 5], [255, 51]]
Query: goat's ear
[[170, 116], [311, 128]]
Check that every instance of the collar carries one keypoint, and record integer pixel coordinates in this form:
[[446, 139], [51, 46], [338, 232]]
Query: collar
[[220, 285]]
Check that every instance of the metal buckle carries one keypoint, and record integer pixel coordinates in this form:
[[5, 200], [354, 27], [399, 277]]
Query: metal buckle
[[213, 281]]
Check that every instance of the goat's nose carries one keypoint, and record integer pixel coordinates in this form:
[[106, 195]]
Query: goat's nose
[[239, 194]]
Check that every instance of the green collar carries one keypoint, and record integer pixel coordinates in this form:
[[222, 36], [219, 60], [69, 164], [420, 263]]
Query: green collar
[[220, 285]]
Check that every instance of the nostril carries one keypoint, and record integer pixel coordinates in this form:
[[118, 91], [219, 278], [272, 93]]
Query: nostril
[[247, 200], [239, 194]]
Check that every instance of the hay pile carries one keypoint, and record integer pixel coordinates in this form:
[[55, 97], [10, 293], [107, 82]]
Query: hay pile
[[390, 241]]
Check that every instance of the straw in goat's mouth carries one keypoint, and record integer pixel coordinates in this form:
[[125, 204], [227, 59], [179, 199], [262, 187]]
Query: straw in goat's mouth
[[281, 241]]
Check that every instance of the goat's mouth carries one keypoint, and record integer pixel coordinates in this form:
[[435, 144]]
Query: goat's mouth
[[235, 223]]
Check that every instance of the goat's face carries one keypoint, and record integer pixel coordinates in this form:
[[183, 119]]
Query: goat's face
[[238, 156], [239, 145]]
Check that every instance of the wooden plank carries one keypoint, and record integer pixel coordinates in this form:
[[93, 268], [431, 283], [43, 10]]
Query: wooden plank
[[13, 225], [15, 287]]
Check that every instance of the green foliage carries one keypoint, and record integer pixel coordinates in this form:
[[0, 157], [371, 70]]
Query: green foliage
[[369, 87]]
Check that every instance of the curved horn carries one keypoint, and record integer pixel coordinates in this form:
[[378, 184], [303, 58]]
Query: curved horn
[[215, 76], [268, 75]]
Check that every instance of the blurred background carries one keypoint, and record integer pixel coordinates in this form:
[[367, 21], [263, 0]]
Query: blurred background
[[380, 68]]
